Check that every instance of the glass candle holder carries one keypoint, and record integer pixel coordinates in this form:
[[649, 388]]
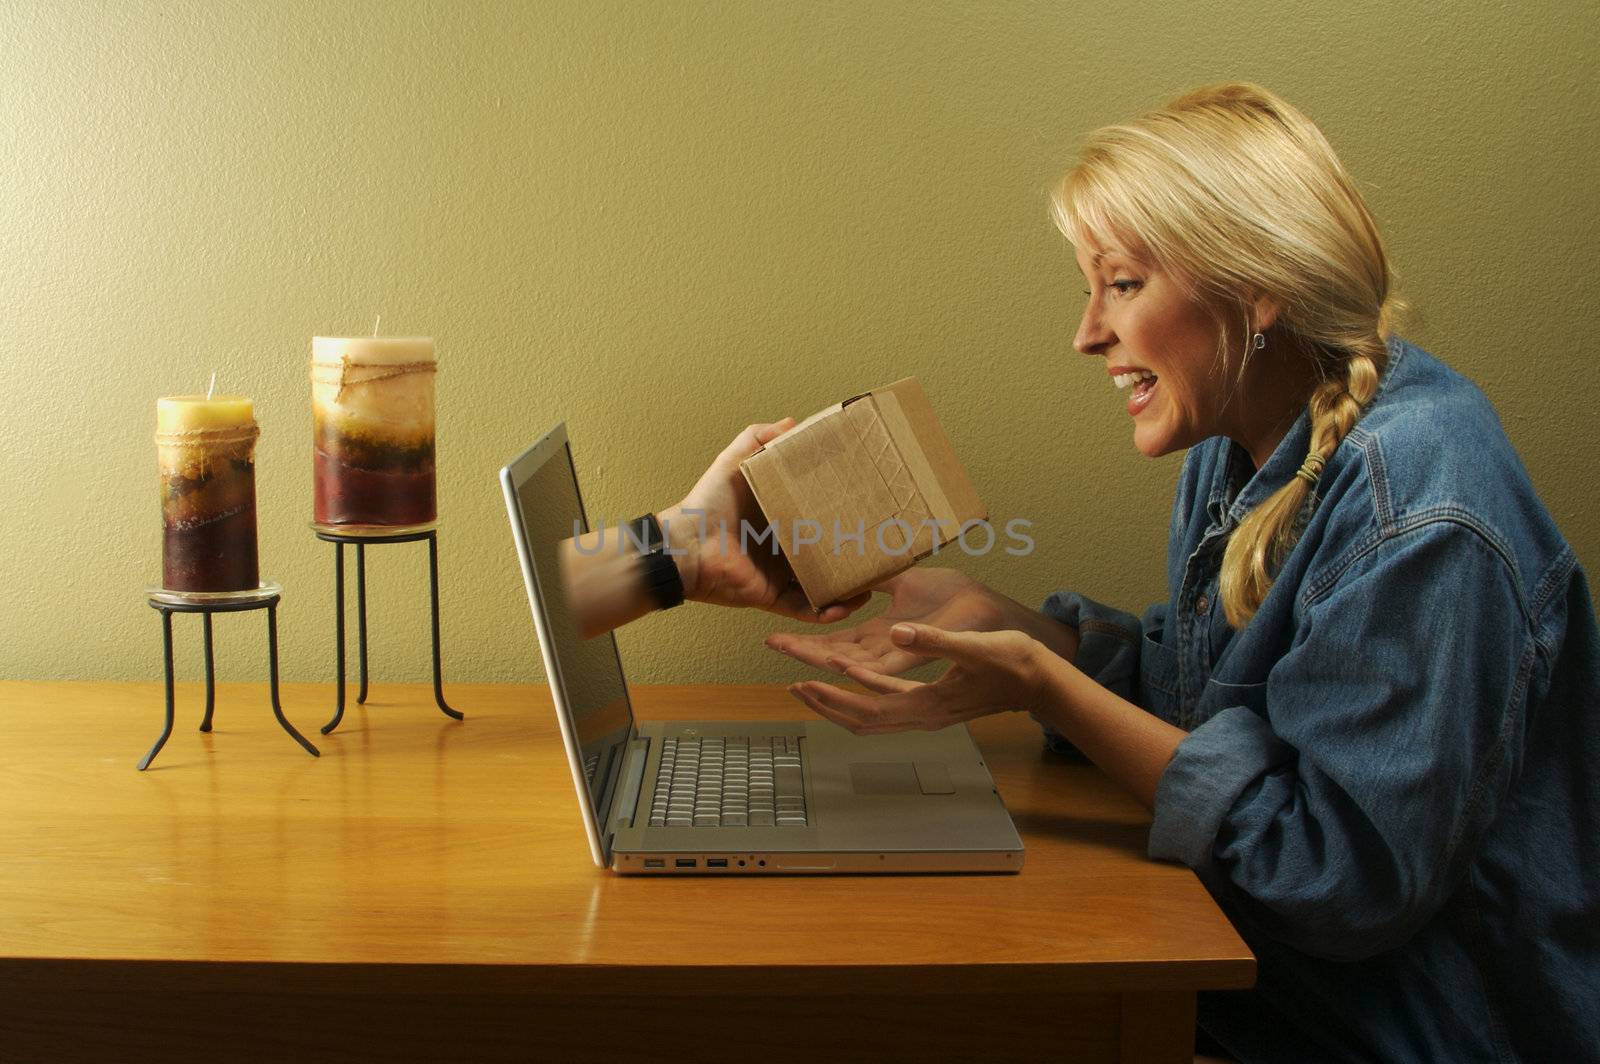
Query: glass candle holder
[[373, 430], [205, 449]]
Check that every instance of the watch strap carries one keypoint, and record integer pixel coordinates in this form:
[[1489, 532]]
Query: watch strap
[[662, 581]]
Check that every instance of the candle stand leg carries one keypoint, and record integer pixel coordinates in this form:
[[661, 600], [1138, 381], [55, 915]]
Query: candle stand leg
[[266, 597], [338, 630], [361, 616], [277, 707], [211, 677], [166, 646], [433, 583], [338, 542]]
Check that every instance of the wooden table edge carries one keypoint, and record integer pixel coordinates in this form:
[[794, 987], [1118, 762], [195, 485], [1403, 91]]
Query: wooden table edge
[[111, 975]]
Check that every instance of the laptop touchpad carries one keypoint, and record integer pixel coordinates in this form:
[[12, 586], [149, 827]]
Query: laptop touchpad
[[900, 777]]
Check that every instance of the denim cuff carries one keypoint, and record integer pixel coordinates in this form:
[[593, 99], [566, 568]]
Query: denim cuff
[[1211, 768], [1108, 651]]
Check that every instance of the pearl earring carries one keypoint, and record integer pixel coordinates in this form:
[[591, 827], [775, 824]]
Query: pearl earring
[[1259, 340]]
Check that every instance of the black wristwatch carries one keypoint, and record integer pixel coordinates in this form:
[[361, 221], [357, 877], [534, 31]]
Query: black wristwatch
[[662, 580]]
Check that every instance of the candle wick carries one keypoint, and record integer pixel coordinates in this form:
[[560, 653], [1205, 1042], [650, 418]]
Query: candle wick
[[375, 322], [212, 386]]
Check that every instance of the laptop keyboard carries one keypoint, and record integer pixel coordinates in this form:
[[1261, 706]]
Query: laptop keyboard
[[730, 782]]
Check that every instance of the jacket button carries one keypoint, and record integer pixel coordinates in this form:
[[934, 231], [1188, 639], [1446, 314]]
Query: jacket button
[[1202, 605]]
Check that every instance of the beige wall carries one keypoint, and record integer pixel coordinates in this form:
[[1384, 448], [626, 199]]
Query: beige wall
[[661, 221]]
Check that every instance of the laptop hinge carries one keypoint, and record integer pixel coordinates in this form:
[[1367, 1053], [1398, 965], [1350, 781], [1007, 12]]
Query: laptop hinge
[[632, 777]]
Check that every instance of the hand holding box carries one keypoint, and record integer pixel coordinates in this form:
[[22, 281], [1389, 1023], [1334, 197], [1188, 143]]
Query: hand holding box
[[861, 491]]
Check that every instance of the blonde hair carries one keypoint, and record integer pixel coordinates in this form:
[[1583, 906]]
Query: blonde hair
[[1241, 197]]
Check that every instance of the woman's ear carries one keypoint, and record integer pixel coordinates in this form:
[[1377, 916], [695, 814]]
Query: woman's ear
[[1264, 311]]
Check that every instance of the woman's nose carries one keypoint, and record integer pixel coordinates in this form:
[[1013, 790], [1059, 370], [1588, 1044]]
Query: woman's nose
[[1093, 336]]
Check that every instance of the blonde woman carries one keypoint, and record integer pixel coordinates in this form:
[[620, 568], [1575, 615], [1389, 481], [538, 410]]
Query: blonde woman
[[1368, 715]]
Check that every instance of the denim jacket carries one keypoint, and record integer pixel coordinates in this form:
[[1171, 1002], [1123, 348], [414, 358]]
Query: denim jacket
[[1391, 781]]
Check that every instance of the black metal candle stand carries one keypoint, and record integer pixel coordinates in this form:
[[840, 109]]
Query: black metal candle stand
[[362, 540], [169, 602]]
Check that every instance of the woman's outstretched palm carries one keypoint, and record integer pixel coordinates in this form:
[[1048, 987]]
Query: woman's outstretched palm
[[943, 598]]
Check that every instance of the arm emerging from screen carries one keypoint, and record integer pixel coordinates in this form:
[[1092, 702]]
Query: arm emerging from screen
[[604, 572]]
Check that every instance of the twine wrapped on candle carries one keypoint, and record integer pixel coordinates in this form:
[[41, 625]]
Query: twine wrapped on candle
[[208, 437], [340, 375]]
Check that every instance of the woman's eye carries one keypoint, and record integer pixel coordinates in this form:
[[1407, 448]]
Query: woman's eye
[[1122, 285]]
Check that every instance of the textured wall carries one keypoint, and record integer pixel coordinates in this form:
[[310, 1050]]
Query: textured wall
[[662, 221]]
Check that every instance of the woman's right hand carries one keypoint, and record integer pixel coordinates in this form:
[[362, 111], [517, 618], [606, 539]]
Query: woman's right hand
[[944, 598]]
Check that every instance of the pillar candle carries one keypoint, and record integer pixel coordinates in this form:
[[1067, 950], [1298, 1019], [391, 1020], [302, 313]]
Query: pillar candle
[[372, 425], [205, 448]]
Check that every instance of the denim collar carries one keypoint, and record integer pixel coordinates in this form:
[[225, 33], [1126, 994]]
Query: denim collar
[[1248, 488]]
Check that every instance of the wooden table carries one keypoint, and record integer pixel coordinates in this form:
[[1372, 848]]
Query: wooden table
[[423, 891]]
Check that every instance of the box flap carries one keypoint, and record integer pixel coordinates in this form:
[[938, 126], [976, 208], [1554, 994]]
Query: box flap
[[807, 423]]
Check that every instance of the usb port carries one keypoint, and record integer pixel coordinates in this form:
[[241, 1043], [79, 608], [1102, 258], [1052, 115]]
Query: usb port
[[654, 862], [685, 862], [716, 862]]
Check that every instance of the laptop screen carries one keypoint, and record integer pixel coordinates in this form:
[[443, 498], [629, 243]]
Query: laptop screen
[[587, 676]]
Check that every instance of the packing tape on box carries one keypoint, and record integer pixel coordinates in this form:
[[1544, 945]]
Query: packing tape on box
[[898, 426], [865, 428]]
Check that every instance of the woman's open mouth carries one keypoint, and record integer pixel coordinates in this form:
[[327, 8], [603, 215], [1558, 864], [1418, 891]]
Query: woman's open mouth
[[1143, 383]]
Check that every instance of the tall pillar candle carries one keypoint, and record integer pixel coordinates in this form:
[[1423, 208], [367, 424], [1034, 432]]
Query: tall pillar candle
[[205, 448], [372, 418]]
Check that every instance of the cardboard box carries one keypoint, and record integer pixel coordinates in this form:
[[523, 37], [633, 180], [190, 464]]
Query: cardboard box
[[879, 463]]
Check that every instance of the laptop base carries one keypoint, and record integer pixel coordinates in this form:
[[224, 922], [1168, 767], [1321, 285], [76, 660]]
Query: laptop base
[[814, 863]]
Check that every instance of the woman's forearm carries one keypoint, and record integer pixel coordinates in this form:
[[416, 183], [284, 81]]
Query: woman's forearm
[[1061, 639], [1128, 744]]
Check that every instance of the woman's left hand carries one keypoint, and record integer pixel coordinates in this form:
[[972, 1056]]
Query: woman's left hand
[[990, 672]]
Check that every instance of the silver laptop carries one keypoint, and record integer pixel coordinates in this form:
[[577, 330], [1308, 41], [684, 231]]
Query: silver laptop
[[729, 797]]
